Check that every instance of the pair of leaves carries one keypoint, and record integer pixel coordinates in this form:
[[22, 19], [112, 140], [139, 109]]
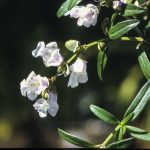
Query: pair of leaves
[[138, 133], [66, 6], [100, 113], [121, 28], [139, 101], [131, 9], [145, 65]]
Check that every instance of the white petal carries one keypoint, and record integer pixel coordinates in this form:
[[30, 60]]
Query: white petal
[[31, 76], [40, 47], [75, 12], [31, 95], [53, 106], [83, 78], [41, 106], [52, 46], [23, 87], [78, 65], [73, 80], [55, 59], [43, 84]]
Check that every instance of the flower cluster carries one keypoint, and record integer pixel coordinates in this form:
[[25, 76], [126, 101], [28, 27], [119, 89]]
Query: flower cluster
[[32, 87], [36, 85], [87, 15]]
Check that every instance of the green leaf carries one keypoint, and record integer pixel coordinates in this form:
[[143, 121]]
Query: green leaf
[[104, 115], [66, 6], [142, 1], [74, 140], [145, 65], [142, 136], [122, 27], [101, 62], [122, 131], [127, 118], [139, 101], [148, 26], [132, 129], [121, 144], [131, 9]]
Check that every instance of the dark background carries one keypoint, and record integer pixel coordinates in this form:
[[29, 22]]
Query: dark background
[[23, 24]]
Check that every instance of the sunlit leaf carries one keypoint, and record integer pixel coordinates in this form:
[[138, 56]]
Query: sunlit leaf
[[142, 136], [74, 139], [131, 9], [101, 62], [121, 144], [104, 115], [145, 65], [139, 101], [133, 129], [66, 6], [122, 27]]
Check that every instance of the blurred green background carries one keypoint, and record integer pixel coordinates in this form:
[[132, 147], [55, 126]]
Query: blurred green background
[[23, 24]]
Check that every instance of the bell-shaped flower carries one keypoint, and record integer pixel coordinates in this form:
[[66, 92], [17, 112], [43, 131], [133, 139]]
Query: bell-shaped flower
[[33, 85], [78, 73], [50, 105], [49, 53], [87, 15]]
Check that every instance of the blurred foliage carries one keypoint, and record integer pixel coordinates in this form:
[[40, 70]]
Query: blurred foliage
[[23, 24]]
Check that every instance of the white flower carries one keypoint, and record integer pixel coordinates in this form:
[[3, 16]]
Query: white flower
[[78, 73], [50, 105], [33, 85], [41, 106], [49, 53], [86, 15], [117, 4]]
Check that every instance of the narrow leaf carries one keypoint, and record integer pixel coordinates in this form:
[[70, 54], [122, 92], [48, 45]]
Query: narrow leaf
[[121, 133], [131, 9], [101, 62], [145, 65], [104, 115], [142, 136], [132, 129], [122, 27], [74, 140], [66, 6], [148, 26], [127, 118], [121, 144], [73, 3], [139, 101]]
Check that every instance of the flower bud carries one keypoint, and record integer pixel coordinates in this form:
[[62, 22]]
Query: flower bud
[[72, 45], [101, 45], [44, 95]]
